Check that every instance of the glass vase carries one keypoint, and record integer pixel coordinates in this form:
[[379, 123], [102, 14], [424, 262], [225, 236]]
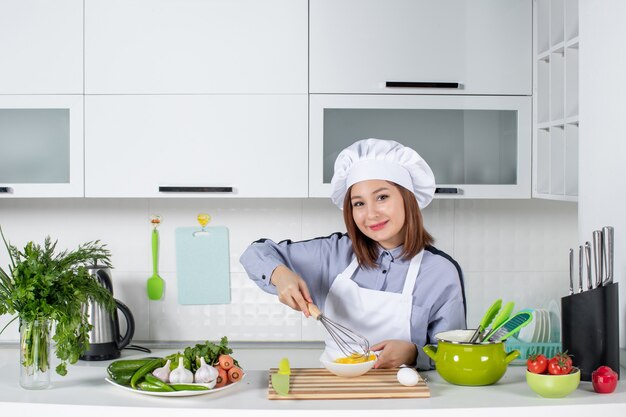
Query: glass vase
[[35, 354]]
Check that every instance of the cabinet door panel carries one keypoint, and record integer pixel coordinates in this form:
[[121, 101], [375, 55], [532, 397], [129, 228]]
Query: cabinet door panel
[[477, 146], [41, 146], [195, 46], [255, 144], [41, 47], [356, 46]]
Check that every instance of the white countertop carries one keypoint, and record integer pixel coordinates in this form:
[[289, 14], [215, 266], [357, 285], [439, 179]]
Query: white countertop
[[84, 392]]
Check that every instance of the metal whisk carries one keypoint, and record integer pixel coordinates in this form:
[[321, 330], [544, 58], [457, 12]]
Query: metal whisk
[[345, 338]]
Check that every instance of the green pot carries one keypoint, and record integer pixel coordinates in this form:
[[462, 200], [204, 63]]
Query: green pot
[[463, 363]]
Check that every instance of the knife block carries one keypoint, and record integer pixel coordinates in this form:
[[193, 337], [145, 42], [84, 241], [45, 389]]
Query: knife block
[[590, 329]]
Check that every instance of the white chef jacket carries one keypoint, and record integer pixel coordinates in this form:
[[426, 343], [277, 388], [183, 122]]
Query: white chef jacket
[[438, 295]]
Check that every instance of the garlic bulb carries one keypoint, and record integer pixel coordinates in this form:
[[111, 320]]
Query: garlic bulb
[[205, 373], [163, 373], [181, 375]]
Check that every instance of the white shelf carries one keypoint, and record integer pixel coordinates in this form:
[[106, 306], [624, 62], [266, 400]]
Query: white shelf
[[556, 100]]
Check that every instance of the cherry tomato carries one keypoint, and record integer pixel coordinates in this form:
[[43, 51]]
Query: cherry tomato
[[560, 364], [604, 380], [537, 363]]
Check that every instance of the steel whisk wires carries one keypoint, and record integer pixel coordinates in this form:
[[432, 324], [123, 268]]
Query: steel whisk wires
[[345, 338]]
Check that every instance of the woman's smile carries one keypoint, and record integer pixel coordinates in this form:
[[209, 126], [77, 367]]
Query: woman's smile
[[378, 226]]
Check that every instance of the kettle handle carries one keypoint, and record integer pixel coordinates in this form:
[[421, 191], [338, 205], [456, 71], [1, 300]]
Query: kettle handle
[[122, 342]]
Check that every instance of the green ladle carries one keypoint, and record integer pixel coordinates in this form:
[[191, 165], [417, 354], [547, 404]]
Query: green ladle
[[155, 282]]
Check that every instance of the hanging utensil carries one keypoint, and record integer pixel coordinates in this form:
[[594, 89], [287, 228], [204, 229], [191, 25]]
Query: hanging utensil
[[155, 282], [607, 245], [486, 321], [503, 316], [597, 254], [346, 339]]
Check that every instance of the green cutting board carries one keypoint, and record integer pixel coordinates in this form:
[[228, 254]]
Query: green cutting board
[[202, 265]]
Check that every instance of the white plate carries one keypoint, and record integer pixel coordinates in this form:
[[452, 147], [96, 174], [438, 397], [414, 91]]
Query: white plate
[[175, 393], [555, 321]]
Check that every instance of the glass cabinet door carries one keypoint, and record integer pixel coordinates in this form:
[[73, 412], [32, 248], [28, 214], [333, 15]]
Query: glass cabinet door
[[41, 146], [477, 147]]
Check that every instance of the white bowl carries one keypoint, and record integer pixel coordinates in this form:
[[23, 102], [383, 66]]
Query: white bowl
[[347, 370]]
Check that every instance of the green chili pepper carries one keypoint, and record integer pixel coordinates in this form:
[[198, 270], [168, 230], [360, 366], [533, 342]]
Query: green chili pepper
[[188, 387], [146, 386], [145, 369], [151, 379]]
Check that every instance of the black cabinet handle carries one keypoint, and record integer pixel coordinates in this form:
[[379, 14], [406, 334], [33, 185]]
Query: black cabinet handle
[[6, 190], [176, 189], [421, 84], [447, 191]]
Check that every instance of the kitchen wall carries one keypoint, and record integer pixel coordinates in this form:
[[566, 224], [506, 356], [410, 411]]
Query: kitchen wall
[[510, 249]]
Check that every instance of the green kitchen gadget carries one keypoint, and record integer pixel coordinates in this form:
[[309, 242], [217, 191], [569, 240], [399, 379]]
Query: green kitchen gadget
[[280, 380], [503, 315], [155, 282], [511, 326], [486, 321]]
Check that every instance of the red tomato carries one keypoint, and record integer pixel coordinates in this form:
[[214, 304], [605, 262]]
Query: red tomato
[[604, 380], [560, 364], [537, 364]]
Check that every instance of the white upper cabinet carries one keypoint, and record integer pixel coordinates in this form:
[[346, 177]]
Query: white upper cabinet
[[41, 47], [477, 146], [196, 146], [196, 46], [41, 146], [358, 46]]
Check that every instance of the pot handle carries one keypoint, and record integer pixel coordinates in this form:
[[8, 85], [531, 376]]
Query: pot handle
[[512, 355], [431, 351], [130, 325]]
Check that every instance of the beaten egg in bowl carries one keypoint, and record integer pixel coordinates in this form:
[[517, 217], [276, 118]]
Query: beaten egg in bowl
[[356, 358]]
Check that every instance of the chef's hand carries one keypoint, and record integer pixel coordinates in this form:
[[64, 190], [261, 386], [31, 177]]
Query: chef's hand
[[394, 353], [292, 289]]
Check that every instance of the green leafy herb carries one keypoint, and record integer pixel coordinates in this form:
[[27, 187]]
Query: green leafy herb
[[44, 285], [209, 351]]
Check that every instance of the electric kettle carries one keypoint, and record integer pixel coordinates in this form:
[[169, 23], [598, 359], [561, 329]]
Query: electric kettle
[[105, 341]]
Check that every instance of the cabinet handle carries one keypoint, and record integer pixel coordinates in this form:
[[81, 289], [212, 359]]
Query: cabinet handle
[[447, 191], [175, 189], [421, 84], [6, 190]]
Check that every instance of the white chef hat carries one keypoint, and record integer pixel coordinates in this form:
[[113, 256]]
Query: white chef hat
[[377, 159]]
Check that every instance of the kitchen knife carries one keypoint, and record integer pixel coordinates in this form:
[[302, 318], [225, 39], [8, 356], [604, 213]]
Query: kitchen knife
[[588, 262], [581, 262], [607, 246], [597, 254], [571, 271]]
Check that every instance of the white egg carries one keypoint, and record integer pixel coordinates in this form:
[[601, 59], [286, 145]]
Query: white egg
[[408, 377]]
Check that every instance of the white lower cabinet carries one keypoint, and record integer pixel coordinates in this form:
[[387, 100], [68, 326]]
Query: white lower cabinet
[[477, 146], [41, 146], [196, 146]]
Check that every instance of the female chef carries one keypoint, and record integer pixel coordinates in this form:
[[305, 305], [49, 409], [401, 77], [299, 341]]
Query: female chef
[[382, 279]]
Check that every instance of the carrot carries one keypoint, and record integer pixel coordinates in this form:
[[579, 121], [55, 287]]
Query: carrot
[[226, 361], [222, 377], [235, 374]]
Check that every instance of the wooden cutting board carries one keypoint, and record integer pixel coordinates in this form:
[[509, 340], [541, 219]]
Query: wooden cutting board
[[320, 384]]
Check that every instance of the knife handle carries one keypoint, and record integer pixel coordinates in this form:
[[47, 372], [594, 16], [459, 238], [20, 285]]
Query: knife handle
[[571, 271], [588, 262], [607, 245], [581, 261], [597, 254]]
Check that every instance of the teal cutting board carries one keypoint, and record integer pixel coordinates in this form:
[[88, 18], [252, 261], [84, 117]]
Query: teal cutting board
[[202, 265]]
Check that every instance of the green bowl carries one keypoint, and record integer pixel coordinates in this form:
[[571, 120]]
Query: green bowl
[[553, 386], [462, 363]]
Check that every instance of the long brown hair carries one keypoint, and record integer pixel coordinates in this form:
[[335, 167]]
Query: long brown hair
[[416, 237]]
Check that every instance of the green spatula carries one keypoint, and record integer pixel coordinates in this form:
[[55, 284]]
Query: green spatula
[[486, 321], [503, 316], [155, 282]]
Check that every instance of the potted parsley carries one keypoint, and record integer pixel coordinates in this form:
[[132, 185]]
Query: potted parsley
[[47, 290]]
